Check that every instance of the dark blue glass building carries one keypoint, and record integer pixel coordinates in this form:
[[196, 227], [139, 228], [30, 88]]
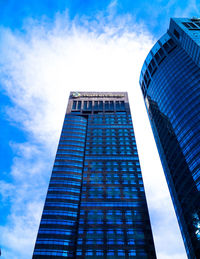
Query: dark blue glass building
[[95, 205], [170, 82]]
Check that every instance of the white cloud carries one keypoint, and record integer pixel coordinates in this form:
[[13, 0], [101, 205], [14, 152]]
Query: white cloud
[[30, 173], [5, 190], [38, 69]]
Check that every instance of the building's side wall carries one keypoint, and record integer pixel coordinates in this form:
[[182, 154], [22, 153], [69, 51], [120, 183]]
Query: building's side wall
[[58, 227], [114, 220]]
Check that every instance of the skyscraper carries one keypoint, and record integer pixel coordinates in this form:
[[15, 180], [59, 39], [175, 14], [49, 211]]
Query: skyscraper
[[170, 83], [95, 205]]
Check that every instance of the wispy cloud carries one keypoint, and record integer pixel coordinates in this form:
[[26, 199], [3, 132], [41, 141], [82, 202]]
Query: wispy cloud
[[38, 69], [30, 174], [190, 9]]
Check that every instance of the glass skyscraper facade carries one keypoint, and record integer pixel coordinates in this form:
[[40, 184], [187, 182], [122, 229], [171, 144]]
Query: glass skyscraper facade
[[170, 82], [95, 205]]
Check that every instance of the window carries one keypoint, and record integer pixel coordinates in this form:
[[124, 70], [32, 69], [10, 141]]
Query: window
[[197, 23], [79, 105], [131, 241], [190, 25], [110, 253], [79, 252], [88, 252], [132, 253], [99, 252], [74, 105], [85, 105], [176, 34], [121, 253]]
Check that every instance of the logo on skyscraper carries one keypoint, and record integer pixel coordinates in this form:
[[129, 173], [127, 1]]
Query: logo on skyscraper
[[76, 95]]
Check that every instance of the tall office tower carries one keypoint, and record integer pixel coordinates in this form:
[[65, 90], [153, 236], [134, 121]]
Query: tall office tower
[[170, 82], [95, 205]]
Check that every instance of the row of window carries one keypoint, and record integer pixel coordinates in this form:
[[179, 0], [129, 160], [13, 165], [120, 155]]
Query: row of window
[[73, 131], [111, 131], [111, 123], [72, 176], [72, 118], [67, 163], [109, 189], [111, 180], [73, 134], [60, 212], [113, 158], [50, 241], [110, 163], [112, 204], [109, 222], [111, 253], [52, 252], [110, 148], [66, 169], [115, 182], [73, 127], [110, 141], [71, 143], [110, 120], [63, 197], [97, 233], [109, 116], [67, 183], [67, 148], [71, 139], [113, 127], [108, 152], [98, 221], [63, 189], [112, 173], [75, 123], [99, 213], [61, 204], [110, 242], [124, 138], [109, 128], [69, 158], [104, 137], [98, 105], [55, 231], [113, 176], [110, 196], [90, 253], [110, 138], [58, 222], [65, 152], [192, 25], [124, 188]]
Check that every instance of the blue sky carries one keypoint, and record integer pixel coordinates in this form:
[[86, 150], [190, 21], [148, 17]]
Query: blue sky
[[48, 48], [155, 14]]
